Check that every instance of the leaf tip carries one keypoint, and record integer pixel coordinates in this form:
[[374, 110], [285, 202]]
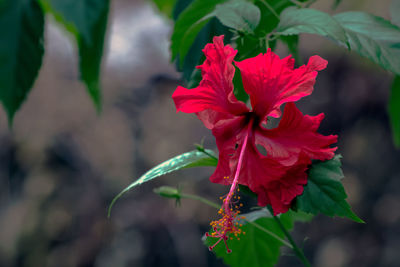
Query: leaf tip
[[357, 219]]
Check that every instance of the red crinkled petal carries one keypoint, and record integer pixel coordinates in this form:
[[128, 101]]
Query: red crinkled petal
[[295, 134], [215, 92], [280, 193], [271, 81]]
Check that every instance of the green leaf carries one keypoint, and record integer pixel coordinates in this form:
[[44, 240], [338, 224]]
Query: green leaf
[[395, 12], [189, 24], [238, 89], [180, 6], [264, 212], [307, 20], [292, 42], [394, 110], [324, 192], [250, 45], [247, 191], [195, 54], [190, 159], [21, 51], [270, 11], [239, 15], [87, 21], [256, 248], [372, 37], [165, 6]]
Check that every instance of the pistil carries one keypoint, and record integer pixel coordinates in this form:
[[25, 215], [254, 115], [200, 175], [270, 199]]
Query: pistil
[[229, 211]]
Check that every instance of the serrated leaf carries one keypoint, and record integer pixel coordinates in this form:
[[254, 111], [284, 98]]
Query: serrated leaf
[[87, 21], [372, 37], [189, 24], [394, 110], [256, 248], [306, 20], [395, 12], [324, 193], [21, 51], [190, 159], [239, 15]]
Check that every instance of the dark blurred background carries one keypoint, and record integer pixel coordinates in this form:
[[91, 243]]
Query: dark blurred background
[[62, 164]]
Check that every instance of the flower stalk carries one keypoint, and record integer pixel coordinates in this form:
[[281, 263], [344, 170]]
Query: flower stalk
[[299, 253]]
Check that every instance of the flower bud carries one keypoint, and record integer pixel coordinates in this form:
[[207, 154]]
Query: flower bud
[[167, 191]]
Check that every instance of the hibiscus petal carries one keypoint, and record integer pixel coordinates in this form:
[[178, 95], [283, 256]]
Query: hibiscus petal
[[215, 91], [295, 134], [271, 81], [280, 193]]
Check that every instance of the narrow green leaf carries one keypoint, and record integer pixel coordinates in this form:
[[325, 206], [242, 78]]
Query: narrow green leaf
[[372, 37], [395, 12], [87, 21], [189, 24], [190, 159], [239, 15], [324, 192], [21, 51], [394, 110], [256, 248], [307, 20]]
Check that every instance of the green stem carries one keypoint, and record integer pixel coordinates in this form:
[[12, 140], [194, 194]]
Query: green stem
[[295, 248], [215, 205], [201, 199]]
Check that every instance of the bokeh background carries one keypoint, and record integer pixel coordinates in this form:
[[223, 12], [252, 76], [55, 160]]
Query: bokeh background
[[61, 164]]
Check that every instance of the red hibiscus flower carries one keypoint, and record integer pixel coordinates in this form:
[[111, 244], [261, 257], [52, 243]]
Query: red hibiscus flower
[[279, 176]]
